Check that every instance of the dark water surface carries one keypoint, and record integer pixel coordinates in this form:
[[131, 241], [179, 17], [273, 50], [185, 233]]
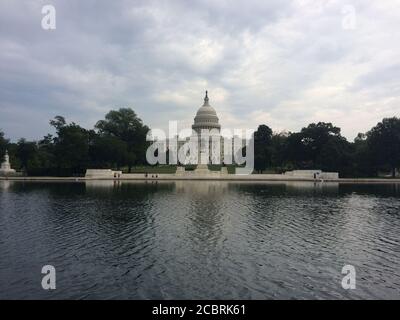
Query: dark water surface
[[199, 240]]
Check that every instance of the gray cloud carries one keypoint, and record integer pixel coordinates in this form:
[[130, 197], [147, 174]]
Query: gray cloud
[[283, 63]]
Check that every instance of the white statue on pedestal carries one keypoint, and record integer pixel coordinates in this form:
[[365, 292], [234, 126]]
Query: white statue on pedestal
[[5, 166]]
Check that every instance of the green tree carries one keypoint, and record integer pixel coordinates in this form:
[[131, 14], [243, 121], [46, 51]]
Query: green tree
[[361, 157], [26, 153], [278, 142], [125, 125], [315, 137], [319, 145], [46, 158], [294, 151], [58, 122], [335, 155], [108, 151], [71, 145], [384, 143], [262, 145]]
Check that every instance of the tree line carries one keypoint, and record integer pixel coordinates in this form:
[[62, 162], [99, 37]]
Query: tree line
[[115, 142], [119, 141], [321, 146]]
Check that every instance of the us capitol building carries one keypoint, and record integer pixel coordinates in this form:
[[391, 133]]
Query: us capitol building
[[206, 119]]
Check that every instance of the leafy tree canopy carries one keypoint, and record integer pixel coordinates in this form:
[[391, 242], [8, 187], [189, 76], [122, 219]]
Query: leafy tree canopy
[[384, 143]]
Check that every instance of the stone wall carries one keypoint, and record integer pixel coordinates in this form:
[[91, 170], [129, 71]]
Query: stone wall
[[311, 174], [102, 173]]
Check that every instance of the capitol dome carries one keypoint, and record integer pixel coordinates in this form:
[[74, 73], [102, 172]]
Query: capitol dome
[[206, 117]]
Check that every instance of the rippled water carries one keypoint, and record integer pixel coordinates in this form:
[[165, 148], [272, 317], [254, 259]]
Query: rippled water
[[199, 240]]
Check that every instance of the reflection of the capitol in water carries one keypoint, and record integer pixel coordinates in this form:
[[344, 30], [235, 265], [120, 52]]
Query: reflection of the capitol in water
[[201, 187], [102, 184]]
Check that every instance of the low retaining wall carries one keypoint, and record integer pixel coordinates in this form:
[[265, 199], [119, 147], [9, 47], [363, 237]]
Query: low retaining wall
[[214, 176], [102, 173], [229, 177], [312, 174], [10, 174]]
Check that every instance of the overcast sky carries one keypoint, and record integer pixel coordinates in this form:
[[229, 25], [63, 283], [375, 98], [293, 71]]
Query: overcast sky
[[281, 63]]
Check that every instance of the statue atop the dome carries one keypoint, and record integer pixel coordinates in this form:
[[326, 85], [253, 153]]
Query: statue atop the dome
[[206, 99]]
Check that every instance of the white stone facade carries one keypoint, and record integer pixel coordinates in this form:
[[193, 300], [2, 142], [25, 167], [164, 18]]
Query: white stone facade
[[206, 130], [312, 174], [102, 173]]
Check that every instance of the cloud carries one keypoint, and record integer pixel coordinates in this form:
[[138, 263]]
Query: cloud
[[282, 63]]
